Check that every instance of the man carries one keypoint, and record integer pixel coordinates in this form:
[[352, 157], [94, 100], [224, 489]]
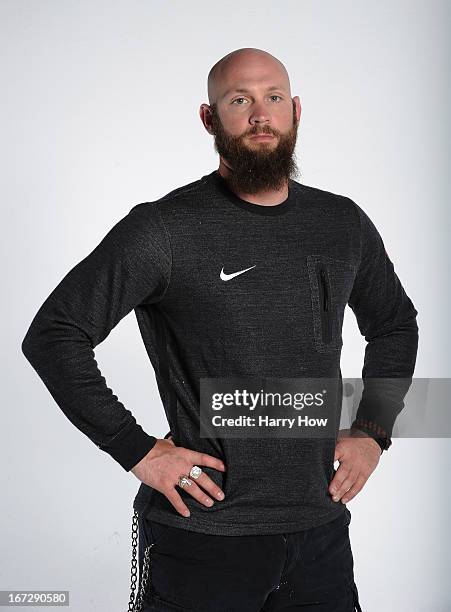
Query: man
[[244, 273]]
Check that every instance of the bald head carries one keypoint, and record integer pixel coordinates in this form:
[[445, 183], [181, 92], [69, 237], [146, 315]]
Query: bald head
[[242, 66]]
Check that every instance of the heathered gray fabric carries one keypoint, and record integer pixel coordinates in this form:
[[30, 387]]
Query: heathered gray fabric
[[163, 260]]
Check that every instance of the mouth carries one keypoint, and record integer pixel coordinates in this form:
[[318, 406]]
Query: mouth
[[262, 137]]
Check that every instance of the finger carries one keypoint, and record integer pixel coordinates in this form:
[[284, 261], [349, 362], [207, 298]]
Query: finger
[[198, 458], [341, 475], [197, 493], [356, 488], [175, 499], [210, 486], [345, 485]]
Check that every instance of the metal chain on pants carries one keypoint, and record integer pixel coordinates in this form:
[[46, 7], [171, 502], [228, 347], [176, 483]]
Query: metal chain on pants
[[135, 606]]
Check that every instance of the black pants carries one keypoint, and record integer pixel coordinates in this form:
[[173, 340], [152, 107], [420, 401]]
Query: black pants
[[309, 570]]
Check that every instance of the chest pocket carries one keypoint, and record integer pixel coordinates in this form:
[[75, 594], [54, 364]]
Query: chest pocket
[[331, 283]]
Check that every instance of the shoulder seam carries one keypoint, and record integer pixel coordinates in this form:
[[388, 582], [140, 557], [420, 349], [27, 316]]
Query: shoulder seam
[[187, 189], [357, 212], [168, 238], [156, 211], [183, 191]]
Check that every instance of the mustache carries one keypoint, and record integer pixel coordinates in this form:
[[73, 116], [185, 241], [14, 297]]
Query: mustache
[[261, 132]]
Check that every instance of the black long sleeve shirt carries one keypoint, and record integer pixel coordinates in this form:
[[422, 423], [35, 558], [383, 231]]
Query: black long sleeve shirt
[[310, 256]]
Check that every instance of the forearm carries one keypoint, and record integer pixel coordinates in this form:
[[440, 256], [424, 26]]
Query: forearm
[[64, 360], [387, 375]]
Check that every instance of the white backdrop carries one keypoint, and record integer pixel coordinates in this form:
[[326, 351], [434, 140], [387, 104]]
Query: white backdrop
[[100, 105]]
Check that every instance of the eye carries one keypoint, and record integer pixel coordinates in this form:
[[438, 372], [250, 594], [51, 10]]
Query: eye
[[241, 98]]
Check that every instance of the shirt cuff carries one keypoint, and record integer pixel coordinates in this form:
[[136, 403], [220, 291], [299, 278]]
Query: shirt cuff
[[129, 447], [373, 430]]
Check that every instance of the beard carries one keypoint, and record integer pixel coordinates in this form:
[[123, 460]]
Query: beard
[[263, 167]]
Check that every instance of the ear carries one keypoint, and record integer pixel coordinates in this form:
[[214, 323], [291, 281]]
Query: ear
[[205, 117]]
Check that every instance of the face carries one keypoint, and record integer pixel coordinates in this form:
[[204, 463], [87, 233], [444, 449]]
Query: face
[[256, 164]]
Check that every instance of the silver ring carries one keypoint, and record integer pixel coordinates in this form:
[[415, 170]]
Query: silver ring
[[184, 480], [195, 472]]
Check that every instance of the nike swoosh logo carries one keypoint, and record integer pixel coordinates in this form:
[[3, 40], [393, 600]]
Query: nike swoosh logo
[[226, 277]]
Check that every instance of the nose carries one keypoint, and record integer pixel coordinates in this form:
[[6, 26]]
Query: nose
[[259, 115]]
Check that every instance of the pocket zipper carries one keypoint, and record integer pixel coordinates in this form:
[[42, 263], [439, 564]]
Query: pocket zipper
[[325, 307], [325, 292]]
